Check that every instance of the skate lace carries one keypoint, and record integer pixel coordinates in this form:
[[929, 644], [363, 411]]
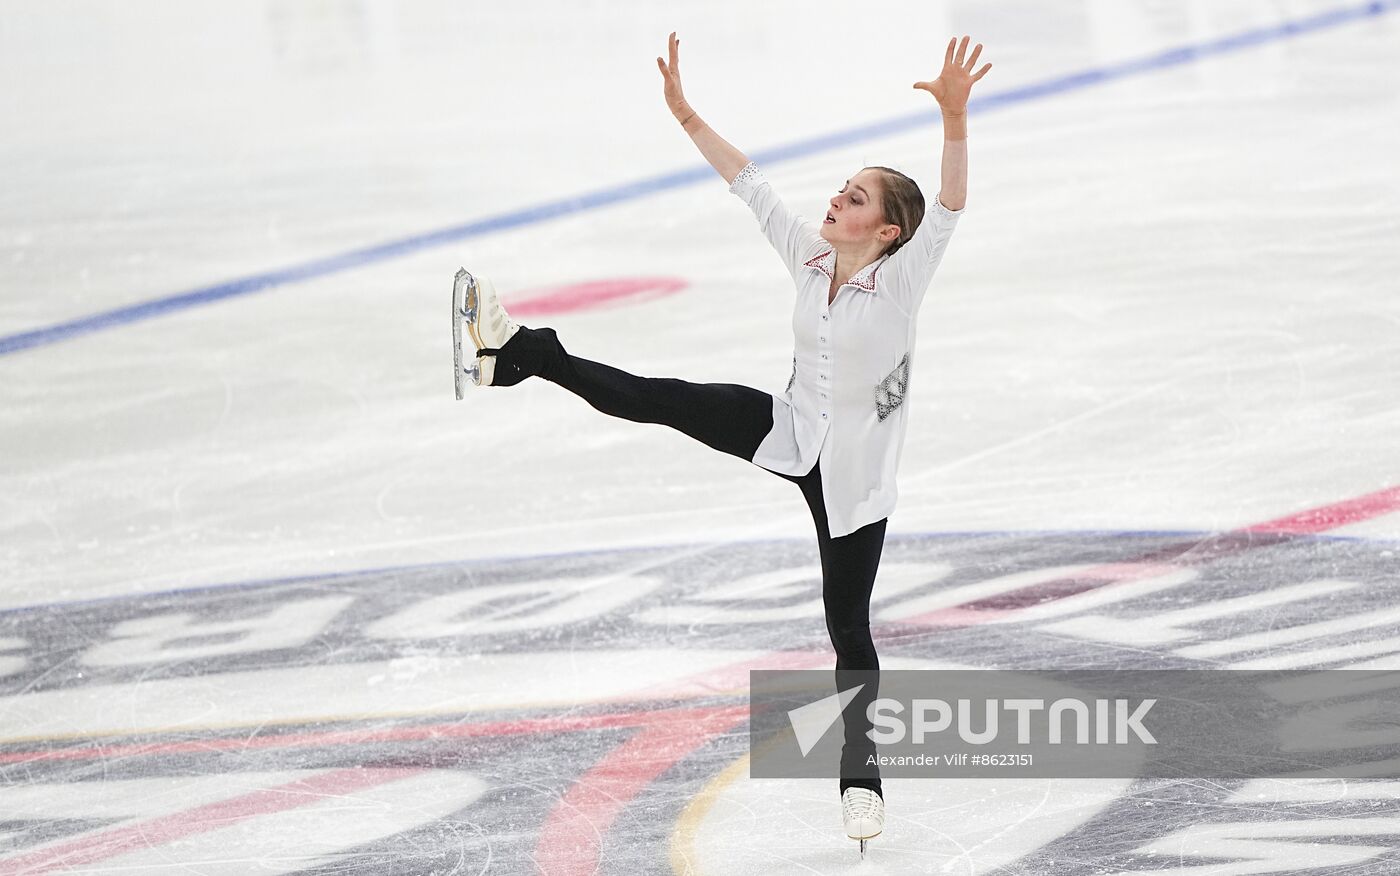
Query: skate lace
[[501, 313], [860, 803]]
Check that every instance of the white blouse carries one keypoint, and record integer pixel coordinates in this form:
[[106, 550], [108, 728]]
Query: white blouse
[[851, 360]]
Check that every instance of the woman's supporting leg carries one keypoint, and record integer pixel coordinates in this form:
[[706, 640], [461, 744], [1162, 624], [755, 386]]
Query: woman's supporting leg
[[730, 418], [849, 564]]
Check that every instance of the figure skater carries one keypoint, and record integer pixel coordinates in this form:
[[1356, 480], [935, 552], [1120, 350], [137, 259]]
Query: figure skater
[[838, 428]]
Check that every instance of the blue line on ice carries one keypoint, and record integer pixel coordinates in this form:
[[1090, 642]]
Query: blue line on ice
[[641, 188]]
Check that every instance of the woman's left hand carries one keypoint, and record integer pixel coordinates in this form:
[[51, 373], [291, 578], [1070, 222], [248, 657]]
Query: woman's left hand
[[954, 84]]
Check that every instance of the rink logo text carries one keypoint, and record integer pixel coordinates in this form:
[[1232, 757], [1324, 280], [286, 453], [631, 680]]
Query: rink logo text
[[440, 665], [635, 625]]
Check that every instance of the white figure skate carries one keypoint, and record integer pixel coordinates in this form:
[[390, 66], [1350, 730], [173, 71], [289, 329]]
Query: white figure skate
[[477, 312], [864, 813]]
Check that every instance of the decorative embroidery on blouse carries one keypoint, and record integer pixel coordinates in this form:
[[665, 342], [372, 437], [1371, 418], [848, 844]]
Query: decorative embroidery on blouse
[[749, 174], [889, 393], [866, 283], [820, 263], [793, 378], [826, 263]]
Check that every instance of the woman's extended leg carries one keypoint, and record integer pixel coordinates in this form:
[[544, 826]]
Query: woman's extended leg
[[729, 417], [849, 564]]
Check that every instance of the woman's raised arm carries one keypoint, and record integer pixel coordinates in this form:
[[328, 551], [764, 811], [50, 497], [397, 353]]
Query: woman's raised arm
[[951, 89], [723, 157]]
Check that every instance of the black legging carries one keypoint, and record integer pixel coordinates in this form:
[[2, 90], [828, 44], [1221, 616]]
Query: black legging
[[735, 419]]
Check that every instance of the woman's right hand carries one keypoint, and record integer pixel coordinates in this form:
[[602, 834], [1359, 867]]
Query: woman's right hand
[[953, 85], [675, 97]]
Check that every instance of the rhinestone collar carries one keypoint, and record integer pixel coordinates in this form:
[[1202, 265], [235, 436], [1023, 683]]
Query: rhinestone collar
[[864, 278]]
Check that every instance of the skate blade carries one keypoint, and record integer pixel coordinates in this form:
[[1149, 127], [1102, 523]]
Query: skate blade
[[465, 301], [863, 844]]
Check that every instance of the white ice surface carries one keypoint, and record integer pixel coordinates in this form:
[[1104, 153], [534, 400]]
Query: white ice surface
[[1172, 303]]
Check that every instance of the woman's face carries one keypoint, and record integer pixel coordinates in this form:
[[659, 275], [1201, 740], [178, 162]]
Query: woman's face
[[854, 215]]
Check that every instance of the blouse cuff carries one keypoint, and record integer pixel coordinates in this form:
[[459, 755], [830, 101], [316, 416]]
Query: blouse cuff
[[944, 211], [748, 179]]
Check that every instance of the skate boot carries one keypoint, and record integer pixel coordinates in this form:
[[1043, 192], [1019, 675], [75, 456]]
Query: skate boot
[[478, 312], [864, 814]]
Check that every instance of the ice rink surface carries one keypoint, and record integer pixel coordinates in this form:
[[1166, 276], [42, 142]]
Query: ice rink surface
[[274, 602]]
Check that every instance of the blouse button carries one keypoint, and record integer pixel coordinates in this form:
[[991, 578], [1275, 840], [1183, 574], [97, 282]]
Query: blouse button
[[823, 316], [823, 415]]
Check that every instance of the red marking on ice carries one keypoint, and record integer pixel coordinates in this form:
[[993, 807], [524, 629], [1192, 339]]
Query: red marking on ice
[[1333, 516], [1155, 562], [952, 616], [1008, 603], [595, 293], [158, 831], [416, 733], [572, 838], [569, 843], [734, 676], [999, 605]]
